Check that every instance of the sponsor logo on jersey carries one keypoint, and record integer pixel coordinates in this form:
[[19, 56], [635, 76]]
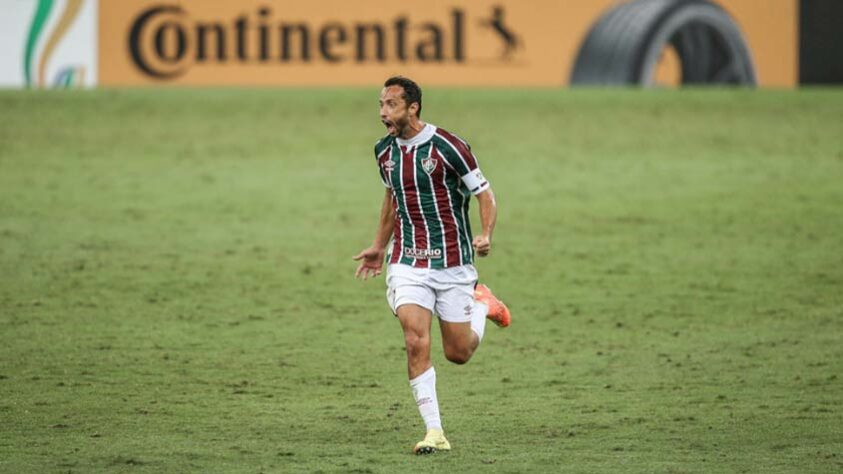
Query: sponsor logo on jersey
[[388, 166], [422, 254], [428, 165]]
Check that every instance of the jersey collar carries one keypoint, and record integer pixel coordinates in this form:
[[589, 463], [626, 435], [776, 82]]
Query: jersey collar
[[424, 136]]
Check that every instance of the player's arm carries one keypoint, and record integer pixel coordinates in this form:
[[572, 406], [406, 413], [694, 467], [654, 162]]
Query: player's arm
[[458, 155], [488, 216], [371, 259], [386, 223]]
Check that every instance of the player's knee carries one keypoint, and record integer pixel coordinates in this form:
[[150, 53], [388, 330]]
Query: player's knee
[[416, 344], [458, 355]]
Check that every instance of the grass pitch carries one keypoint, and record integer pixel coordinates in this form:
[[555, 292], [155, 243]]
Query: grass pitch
[[176, 290]]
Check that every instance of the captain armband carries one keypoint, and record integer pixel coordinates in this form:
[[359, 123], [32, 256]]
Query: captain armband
[[475, 182]]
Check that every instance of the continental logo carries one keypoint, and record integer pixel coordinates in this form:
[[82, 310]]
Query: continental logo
[[165, 41]]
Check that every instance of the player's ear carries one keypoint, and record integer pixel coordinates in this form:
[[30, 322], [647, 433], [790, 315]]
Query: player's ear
[[414, 108]]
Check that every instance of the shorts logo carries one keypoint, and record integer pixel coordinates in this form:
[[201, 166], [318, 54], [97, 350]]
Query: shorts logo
[[422, 254], [428, 165]]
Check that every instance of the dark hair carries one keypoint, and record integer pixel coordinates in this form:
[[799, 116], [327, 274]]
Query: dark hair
[[412, 91]]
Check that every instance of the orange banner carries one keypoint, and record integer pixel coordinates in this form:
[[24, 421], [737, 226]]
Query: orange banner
[[332, 42]]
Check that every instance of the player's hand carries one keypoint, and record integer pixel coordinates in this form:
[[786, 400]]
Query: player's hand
[[371, 263], [482, 245]]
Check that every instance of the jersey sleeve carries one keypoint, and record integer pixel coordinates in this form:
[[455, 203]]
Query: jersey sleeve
[[459, 156], [475, 181], [381, 155]]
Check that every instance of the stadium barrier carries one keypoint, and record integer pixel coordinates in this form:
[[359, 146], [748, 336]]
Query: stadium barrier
[[543, 43], [625, 45]]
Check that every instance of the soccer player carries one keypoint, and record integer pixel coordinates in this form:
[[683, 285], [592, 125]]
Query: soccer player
[[430, 175]]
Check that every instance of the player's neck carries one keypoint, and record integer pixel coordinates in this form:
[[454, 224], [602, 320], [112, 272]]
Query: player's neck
[[413, 128]]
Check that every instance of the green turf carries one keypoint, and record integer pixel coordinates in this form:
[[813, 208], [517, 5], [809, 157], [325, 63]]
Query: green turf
[[176, 290]]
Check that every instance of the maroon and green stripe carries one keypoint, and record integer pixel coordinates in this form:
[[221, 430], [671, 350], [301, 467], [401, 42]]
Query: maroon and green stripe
[[431, 206], [442, 195]]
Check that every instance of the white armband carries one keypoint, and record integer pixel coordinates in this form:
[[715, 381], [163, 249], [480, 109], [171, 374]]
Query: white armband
[[475, 182]]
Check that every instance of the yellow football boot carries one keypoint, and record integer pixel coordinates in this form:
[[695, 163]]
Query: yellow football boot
[[433, 441]]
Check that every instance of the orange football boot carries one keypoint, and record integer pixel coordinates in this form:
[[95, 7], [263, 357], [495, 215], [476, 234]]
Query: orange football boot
[[498, 312]]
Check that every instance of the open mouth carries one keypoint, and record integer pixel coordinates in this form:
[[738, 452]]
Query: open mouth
[[390, 127]]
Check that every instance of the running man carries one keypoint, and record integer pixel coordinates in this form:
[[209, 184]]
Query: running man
[[430, 175]]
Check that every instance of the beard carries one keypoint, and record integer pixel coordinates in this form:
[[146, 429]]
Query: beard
[[396, 127]]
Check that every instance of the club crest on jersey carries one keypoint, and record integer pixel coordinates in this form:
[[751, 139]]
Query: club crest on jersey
[[428, 165]]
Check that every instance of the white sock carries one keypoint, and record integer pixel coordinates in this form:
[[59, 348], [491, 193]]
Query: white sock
[[424, 391], [478, 319]]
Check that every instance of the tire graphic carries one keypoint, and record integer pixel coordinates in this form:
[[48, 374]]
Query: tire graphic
[[624, 46]]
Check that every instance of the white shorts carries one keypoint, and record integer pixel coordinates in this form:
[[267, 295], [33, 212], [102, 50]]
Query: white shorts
[[447, 293]]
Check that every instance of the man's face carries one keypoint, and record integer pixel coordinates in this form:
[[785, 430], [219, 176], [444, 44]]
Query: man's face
[[395, 114]]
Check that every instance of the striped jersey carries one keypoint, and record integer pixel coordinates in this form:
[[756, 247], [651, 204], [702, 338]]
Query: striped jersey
[[432, 177]]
